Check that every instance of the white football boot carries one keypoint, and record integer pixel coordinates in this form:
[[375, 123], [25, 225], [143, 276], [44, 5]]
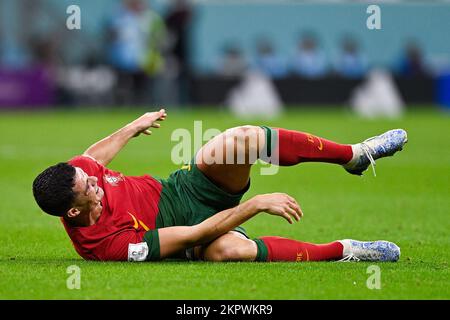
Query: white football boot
[[366, 152], [382, 251]]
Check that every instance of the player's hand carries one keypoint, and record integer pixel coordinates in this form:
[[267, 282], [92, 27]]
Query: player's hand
[[148, 120], [279, 204]]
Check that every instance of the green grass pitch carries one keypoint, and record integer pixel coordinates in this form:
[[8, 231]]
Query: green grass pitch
[[408, 203]]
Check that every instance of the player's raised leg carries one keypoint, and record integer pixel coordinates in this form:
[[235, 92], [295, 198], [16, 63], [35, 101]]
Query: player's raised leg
[[295, 147], [227, 158]]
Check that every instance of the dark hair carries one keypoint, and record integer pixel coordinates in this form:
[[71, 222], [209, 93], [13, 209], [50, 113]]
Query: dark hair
[[52, 189]]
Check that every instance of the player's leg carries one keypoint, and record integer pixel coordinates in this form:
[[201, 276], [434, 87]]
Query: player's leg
[[227, 158], [295, 147], [233, 246]]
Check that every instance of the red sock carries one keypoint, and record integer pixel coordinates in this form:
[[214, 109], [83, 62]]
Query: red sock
[[295, 147], [282, 249]]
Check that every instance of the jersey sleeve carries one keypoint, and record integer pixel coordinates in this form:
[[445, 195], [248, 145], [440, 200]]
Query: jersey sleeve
[[124, 246], [131, 246], [88, 164]]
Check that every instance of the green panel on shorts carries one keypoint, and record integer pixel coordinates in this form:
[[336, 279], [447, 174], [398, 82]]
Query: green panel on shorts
[[241, 230], [151, 237], [188, 197]]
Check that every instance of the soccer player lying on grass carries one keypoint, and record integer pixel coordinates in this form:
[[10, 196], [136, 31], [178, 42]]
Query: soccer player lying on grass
[[196, 212]]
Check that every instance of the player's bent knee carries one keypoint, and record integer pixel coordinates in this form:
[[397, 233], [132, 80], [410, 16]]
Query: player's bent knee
[[243, 131], [218, 250], [221, 254], [230, 249], [245, 140]]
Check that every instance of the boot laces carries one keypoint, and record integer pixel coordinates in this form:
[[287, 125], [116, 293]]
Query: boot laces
[[350, 257], [367, 151]]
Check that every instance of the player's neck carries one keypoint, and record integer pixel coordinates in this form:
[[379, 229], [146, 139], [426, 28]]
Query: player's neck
[[85, 219], [94, 215]]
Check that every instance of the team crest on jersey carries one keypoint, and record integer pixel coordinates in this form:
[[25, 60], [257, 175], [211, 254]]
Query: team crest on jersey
[[112, 180]]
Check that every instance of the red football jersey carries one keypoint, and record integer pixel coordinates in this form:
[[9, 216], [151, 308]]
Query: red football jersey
[[130, 208]]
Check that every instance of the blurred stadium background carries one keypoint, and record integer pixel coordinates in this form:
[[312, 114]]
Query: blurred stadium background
[[191, 53]]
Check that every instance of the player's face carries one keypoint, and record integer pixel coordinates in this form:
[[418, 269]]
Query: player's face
[[88, 193]]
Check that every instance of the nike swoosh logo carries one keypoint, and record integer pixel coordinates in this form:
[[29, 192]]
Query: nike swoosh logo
[[144, 226], [136, 225], [321, 145], [311, 139]]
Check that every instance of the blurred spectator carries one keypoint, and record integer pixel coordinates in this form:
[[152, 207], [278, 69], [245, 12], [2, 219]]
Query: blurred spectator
[[412, 63], [44, 52], [135, 36], [268, 62], [309, 61], [89, 83], [46, 61], [351, 63], [232, 64], [177, 21], [255, 96], [377, 96]]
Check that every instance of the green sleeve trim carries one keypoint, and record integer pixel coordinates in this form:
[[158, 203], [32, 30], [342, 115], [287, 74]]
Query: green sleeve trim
[[151, 237], [262, 253]]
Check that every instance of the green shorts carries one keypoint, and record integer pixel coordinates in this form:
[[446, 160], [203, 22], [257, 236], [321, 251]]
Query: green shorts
[[188, 197]]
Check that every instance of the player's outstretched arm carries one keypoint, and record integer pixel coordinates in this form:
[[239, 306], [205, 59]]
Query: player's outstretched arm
[[175, 239], [106, 149]]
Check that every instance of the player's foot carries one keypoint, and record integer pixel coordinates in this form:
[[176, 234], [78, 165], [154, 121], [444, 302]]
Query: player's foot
[[366, 152], [369, 250]]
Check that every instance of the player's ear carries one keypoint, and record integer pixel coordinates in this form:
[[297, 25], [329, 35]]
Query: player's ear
[[72, 213]]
